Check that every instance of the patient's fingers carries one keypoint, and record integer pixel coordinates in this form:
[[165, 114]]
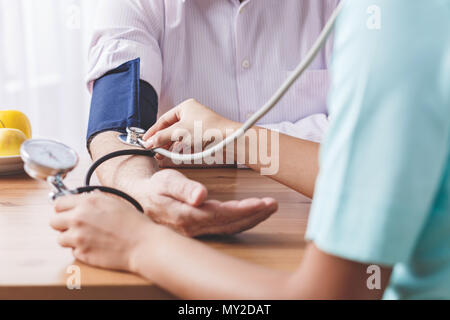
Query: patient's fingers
[[238, 226], [231, 217], [217, 213], [236, 210], [177, 186]]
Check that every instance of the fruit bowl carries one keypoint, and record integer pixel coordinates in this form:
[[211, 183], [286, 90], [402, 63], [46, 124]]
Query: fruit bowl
[[11, 165], [15, 129]]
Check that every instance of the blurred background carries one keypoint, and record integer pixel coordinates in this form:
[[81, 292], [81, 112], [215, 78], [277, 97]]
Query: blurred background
[[43, 61]]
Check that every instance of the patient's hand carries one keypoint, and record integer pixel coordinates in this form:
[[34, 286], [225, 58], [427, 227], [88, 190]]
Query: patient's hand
[[171, 199]]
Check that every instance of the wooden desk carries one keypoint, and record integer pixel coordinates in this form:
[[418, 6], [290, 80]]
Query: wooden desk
[[32, 265]]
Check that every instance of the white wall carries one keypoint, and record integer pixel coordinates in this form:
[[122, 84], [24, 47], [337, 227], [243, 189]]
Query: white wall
[[43, 55]]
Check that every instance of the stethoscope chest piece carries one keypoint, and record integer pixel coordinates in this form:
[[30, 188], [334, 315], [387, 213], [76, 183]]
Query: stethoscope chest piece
[[133, 137]]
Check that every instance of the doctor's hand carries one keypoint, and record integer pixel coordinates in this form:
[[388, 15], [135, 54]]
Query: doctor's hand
[[171, 199], [103, 231], [181, 121]]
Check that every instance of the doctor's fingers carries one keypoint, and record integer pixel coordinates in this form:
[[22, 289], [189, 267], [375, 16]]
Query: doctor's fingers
[[67, 203], [165, 121], [160, 156], [167, 136], [71, 239], [71, 219], [71, 202], [59, 223]]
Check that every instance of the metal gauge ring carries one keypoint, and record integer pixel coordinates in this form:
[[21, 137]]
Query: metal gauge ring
[[47, 158]]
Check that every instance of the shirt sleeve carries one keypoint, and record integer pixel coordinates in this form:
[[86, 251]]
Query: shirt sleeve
[[386, 150], [125, 31]]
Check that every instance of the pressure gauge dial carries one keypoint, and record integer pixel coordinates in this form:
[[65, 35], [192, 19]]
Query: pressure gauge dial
[[47, 158]]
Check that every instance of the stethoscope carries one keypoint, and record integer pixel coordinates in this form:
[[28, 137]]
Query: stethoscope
[[51, 160]]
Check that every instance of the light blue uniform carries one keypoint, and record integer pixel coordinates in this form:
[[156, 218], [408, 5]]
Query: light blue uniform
[[383, 194]]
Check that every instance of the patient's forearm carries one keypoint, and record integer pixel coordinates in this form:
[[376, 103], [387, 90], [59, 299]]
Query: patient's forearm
[[121, 172]]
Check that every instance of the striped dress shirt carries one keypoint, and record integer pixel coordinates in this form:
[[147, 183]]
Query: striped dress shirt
[[229, 55]]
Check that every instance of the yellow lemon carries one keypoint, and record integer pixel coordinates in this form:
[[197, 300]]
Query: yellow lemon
[[13, 119], [10, 142]]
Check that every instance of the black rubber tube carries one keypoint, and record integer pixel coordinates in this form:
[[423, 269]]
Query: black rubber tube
[[102, 189], [111, 191], [88, 188], [99, 162]]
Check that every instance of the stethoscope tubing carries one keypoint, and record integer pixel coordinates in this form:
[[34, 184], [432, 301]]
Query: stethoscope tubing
[[89, 189]]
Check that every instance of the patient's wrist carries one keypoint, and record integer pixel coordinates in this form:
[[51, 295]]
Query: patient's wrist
[[138, 189]]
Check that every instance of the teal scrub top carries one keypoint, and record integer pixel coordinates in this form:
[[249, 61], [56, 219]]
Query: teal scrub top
[[383, 193]]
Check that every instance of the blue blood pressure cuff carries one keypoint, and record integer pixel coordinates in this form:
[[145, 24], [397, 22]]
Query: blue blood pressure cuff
[[120, 100]]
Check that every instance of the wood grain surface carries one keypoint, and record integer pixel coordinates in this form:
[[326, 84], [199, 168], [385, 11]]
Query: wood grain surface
[[32, 265]]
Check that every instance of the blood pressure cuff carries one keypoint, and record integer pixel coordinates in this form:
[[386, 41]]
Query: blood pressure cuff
[[120, 100]]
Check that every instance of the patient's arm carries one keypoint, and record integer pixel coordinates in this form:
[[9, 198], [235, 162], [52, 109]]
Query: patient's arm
[[172, 199], [122, 172]]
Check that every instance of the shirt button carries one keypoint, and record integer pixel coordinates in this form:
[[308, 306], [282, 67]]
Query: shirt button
[[245, 64], [241, 10]]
